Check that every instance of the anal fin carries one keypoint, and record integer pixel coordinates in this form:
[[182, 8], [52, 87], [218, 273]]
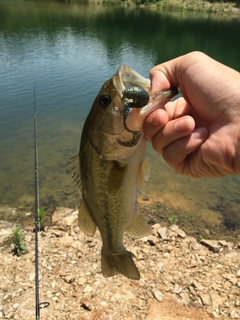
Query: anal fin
[[139, 227], [85, 220]]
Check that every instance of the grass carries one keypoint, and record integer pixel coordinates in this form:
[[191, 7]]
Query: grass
[[18, 241], [41, 218], [172, 220]]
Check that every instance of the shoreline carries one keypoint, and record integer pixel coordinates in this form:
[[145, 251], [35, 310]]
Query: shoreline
[[181, 278], [199, 5], [224, 8]]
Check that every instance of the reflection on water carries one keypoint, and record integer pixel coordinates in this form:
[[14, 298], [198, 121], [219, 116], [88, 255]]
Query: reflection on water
[[70, 50]]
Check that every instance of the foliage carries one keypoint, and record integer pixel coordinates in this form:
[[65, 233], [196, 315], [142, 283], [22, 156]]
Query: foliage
[[138, 2], [172, 220], [18, 241], [222, 1], [41, 217]]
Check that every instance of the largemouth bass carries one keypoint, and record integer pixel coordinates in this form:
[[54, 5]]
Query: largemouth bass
[[112, 168]]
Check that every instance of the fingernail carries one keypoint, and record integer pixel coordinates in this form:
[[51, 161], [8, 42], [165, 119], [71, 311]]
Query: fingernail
[[200, 133], [182, 125], [156, 85]]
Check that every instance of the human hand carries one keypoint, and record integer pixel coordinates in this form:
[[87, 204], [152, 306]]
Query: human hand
[[198, 135]]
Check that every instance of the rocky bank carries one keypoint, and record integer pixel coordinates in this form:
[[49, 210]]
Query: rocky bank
[[181, 278]]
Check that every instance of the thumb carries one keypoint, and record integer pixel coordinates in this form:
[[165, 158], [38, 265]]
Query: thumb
[[165, 75]]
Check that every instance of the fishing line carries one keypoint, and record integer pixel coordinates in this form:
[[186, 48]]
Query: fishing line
[[134, 93], [72, 160], [38, 305], [105, 114]]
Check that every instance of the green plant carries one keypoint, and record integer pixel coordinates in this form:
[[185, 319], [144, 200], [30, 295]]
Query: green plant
[[41, 218], [18, 241], [172, 220], [137, 2]]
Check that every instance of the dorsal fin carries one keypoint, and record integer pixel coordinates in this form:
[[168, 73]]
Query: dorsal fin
[[75, 169]]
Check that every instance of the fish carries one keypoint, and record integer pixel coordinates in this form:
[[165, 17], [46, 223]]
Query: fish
[[110, 168]]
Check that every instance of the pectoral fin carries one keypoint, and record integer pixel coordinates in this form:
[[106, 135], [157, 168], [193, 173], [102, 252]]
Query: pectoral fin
[[143, 176], [85, 221], [139, 227]]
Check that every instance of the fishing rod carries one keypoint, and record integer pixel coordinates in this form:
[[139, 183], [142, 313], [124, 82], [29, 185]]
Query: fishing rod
[[37, 228]]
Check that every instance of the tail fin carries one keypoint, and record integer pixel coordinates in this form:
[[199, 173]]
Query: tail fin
[[113, 264]]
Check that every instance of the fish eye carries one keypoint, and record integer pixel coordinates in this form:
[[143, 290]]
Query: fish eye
[[105, 100]]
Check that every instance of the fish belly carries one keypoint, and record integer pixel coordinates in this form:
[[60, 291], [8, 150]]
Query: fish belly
[[110, 196]]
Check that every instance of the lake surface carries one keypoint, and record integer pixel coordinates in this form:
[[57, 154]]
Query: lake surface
[[70, 50]]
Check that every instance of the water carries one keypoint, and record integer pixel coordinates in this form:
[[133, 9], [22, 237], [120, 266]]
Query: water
[[70, 50]]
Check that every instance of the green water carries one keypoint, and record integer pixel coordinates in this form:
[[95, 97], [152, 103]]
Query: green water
[[70, 50]]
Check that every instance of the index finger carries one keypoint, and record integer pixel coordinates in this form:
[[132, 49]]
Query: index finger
[[164, 76]]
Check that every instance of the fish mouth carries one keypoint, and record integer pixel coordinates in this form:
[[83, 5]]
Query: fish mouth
[[128, 80], [136, 115]]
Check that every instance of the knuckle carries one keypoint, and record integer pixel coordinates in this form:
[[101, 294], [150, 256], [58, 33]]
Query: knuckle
[[175, 153]]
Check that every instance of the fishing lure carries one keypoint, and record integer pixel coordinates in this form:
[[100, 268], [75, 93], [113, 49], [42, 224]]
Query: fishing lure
[[135, 97]]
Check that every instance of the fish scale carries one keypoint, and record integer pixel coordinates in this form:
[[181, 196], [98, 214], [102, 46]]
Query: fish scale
[[111, 169]]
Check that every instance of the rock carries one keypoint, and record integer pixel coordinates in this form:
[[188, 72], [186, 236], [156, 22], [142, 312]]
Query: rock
[[66, 241], [82, 280], [195, 246], [88, 289], [185, 298], [5, 232], [161, 267], [58, 233], [28, 238], [156, 226], [223, 243], [158, 295], [216, 300], [86, 304], [177, 289], [175, 270], [206, 301], [61, 213], [153, 240], [31, 276], [198, 286], [70, 278], [211, 244], [173, 227], [124, 294], [181, 233], [144, 239], [232, 313], [71, 219], [163, 233], [237, 303]]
